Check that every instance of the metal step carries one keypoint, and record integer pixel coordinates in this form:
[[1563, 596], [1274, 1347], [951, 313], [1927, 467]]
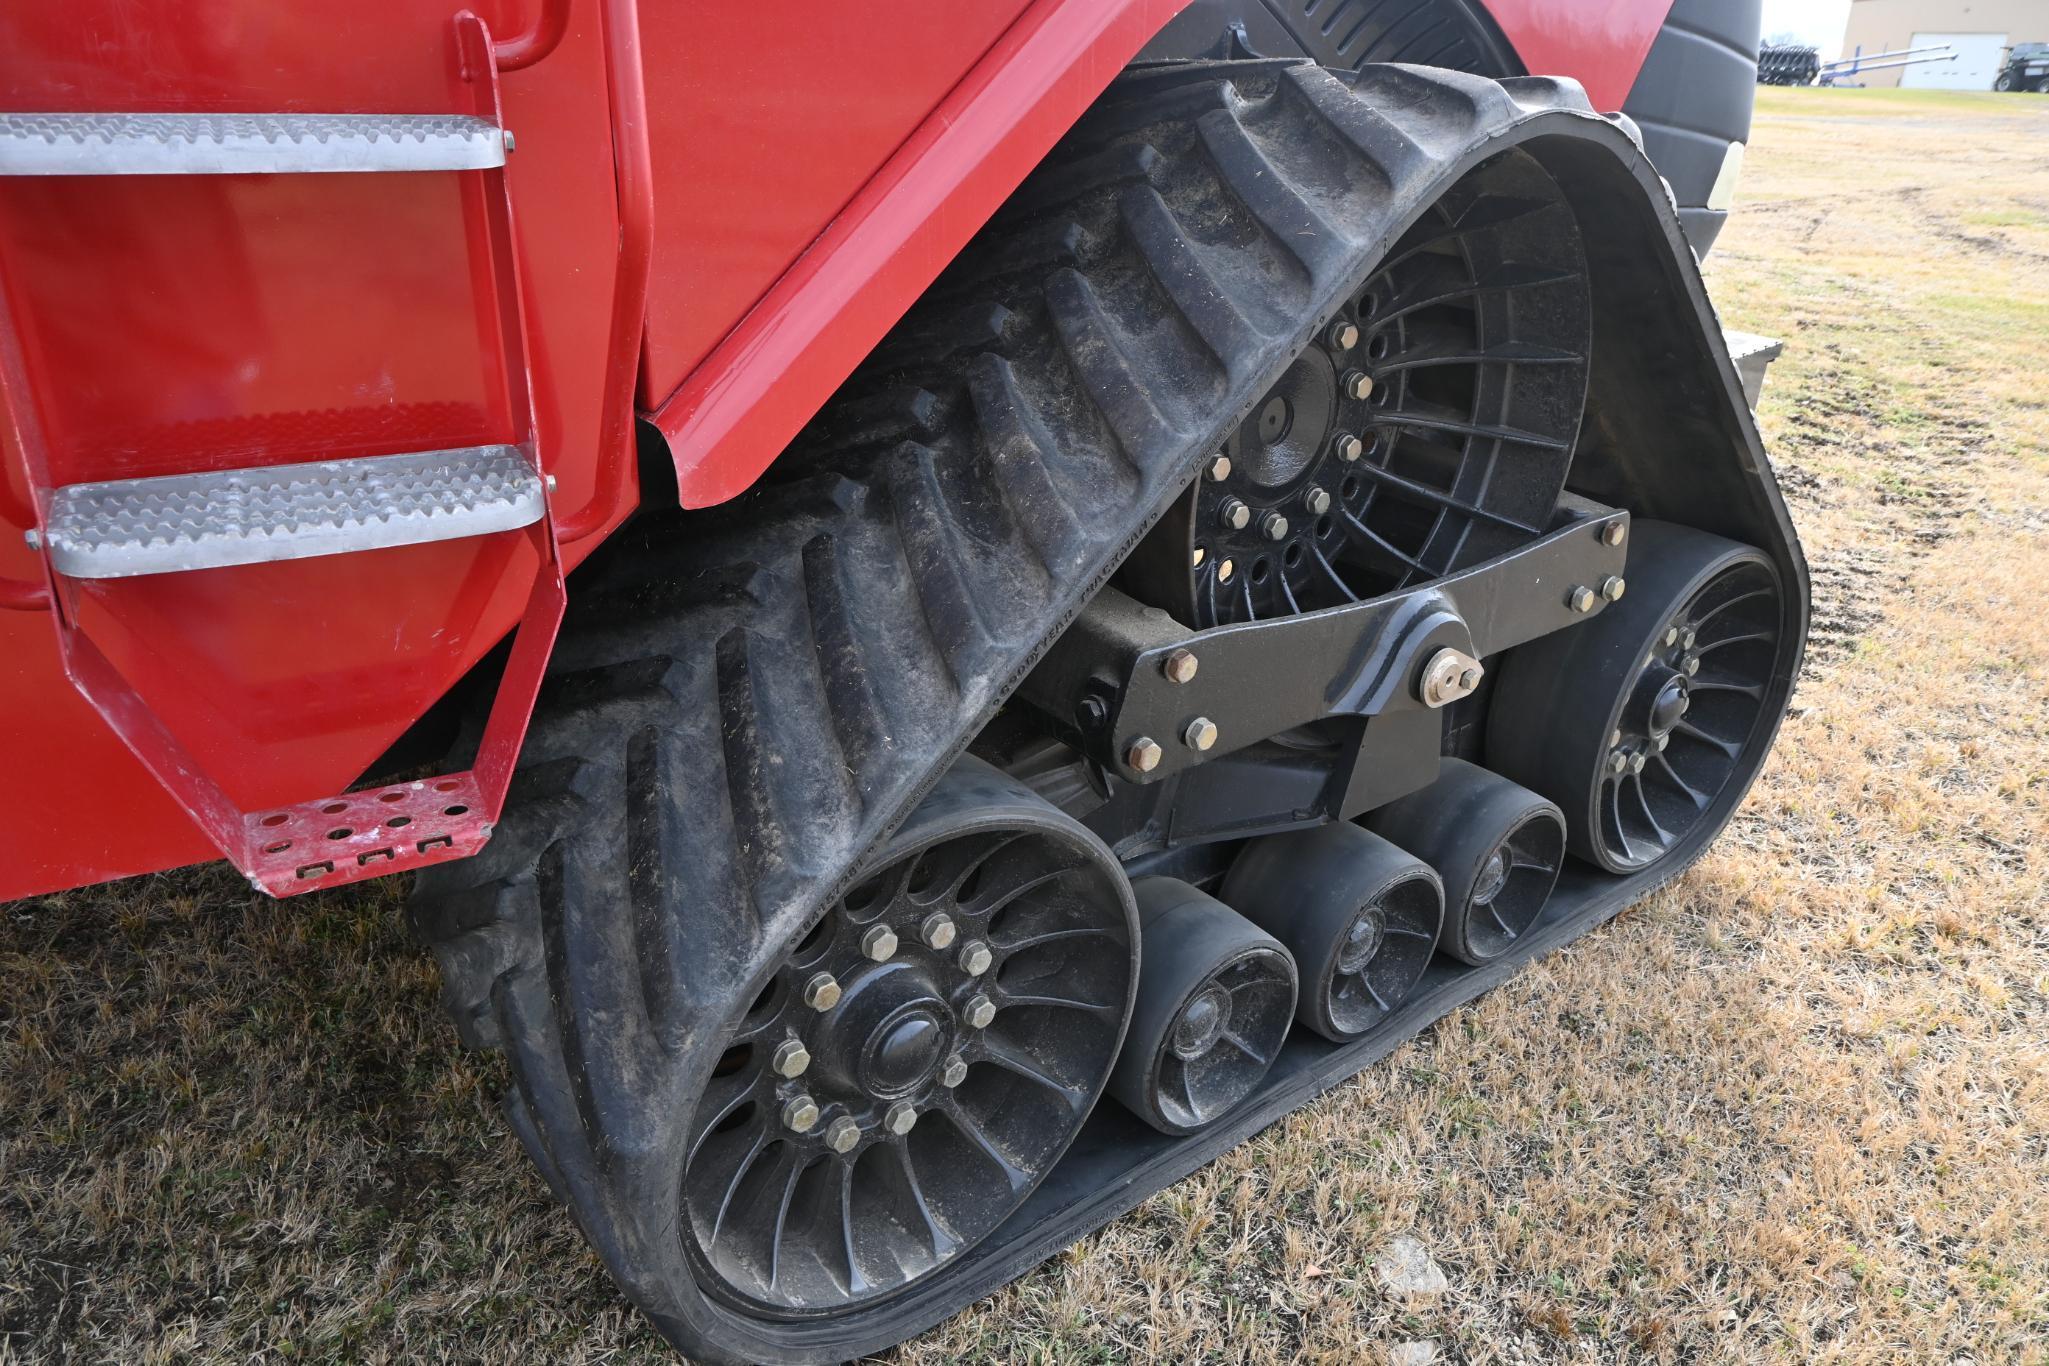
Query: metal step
[[242, 144], [180, 522]]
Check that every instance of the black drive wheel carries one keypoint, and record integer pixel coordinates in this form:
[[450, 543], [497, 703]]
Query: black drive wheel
[[2005, 83], [918, 1062], [1497, 846], [1215, 994], [1360, 916], [1638, 721]]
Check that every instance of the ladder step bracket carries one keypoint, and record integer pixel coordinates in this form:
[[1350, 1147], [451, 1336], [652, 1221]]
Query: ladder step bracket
[[246, 144], [175, 523]]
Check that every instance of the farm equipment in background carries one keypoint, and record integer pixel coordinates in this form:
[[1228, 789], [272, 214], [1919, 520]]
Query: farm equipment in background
[[1782, 65], [1070, 552], [2027, 68], [1787, 64]]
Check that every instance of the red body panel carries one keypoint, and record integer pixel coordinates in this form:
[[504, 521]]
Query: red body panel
[[810, 180]]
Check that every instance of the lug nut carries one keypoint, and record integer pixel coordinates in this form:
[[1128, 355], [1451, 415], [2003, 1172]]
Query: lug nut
[[1636, 763], [975, 958], [1179, 666], [1317, 501], [1201, 733], [1690, 665], [1613, 533], [1358, 384], [1344, 335], [1233, 515], [1618, 763], [954, 1072], [799, 1114], [900, 1118], [1671, 636], [1144, 754], [1615, 738], [1273, 526], [1348, 447], [1613, 587], [1687, 637], [1662, 742], [980, 1011], [937, 931], [1581, 598], [790, 1059], [842, 1134], [878, 942], [1218, 469], [822, 991], [1226, 568]]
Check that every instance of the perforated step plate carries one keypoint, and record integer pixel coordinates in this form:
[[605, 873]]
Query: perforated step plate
[[182, 522], [241, 144]]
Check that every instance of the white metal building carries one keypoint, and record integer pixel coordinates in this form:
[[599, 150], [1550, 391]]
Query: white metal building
[[1979, 30]]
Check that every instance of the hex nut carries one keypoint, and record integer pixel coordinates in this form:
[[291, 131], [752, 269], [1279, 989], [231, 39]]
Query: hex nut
[[822, 991], [790, 1059], [954, 1071], [1179, 666], [1581, 598], [1273, 526], [1233, 515], [1671, 636], [1358, 384], [1317, 500], [980, 1011], [937, 931], [1218, 469], [1613, 587], [975, 958], [1618, 763], [1201, 733], [1614, 532], [1344, 334], [842, 1134], [1636, 762], [878, 943], [1348, 447], [1144, 754], [1687, 638], [799, 1114], [1690, 665], [900, 1118]]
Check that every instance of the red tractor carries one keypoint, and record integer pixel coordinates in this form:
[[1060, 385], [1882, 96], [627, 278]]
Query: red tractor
[[893, 572]]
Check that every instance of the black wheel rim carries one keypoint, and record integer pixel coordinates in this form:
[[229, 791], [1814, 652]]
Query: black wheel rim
[[1682, 724], [1381, 955], [1224, 1037], [787, 1223], [1511, 886]]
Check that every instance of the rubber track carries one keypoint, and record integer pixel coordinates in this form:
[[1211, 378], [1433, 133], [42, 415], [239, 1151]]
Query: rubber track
[[744, 701]]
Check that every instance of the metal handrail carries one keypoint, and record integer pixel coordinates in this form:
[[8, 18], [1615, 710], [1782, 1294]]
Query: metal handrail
[[524, 49]]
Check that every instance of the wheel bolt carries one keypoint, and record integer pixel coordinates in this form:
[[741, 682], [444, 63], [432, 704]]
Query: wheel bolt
[[1201, 733], [1661, 742], [1690, 665], [975, 958], [980, 1011], [1581, 598], [1636, 762], [1344, 335], [1618, 763], [799, 1114], [1348, 447], [790, 1059], [1179, 666], [822, 991], [1671, 636], [1218, 469], [937, 931], [1273, 526], [1613, 533], [954, 1072], [878, 942], [900, 1118], [1144, 754], [1234, 515], [842, 1134], [1358, 384], [1317, 501], [1613, 587], [1687, 637]]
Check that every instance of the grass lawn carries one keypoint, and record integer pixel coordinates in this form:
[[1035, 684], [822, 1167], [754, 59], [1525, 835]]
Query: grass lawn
[[1795, 1107]]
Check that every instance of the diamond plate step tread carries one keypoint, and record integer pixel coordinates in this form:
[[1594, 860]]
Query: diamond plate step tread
[[174, 523], [245, 144]]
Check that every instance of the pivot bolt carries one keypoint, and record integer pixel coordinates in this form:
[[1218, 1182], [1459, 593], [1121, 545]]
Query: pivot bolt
[[1358, 384], [1144, 754], [1179, 666], [878, 942], [980, 1011], [822, 991], [1348, 447], [1226, 568], [1613, 587], [975, 958], [1445, 677], [1218, 469], [1201, 733], [790, 1059], [842, 1134], [1317, 500], [900, 1118], [1344, 334], [1581, 598], [799, 1114], [1234, 515], [1614, 532], [1273, 526], [954, 1071], [937, 931]]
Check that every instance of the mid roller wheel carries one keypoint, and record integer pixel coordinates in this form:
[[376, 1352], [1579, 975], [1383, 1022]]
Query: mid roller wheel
[[918, 1061], [1638, 722]]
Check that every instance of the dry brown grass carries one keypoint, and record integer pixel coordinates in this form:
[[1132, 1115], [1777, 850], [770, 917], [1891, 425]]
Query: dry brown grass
[[1797, 1107]]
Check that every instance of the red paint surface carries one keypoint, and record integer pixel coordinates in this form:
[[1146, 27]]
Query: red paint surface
[[1599, 43]]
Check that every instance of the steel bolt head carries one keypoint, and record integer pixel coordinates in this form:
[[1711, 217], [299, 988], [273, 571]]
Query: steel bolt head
[[980, 1011], [790, 1059], [900, 1118], [1661, 742], [1615, 737], [1613, 587], [937, 931], [1234, 515], [1218, 469], [1448, 675], [1636, 763], [1179, 666], [1317, 500], [1273, 526], [1618, 763], [1144, 754], [1344, 334], [1470, 679], [1581, 598], [1687, 638], [954, 1071], [1671, 635], [1358, 384], [1348, 447], [799, 1114], [975, 958], [1201, 733], [822, 991], [1690, 665], [1614, 532], [842, 1134], [878, 942]]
